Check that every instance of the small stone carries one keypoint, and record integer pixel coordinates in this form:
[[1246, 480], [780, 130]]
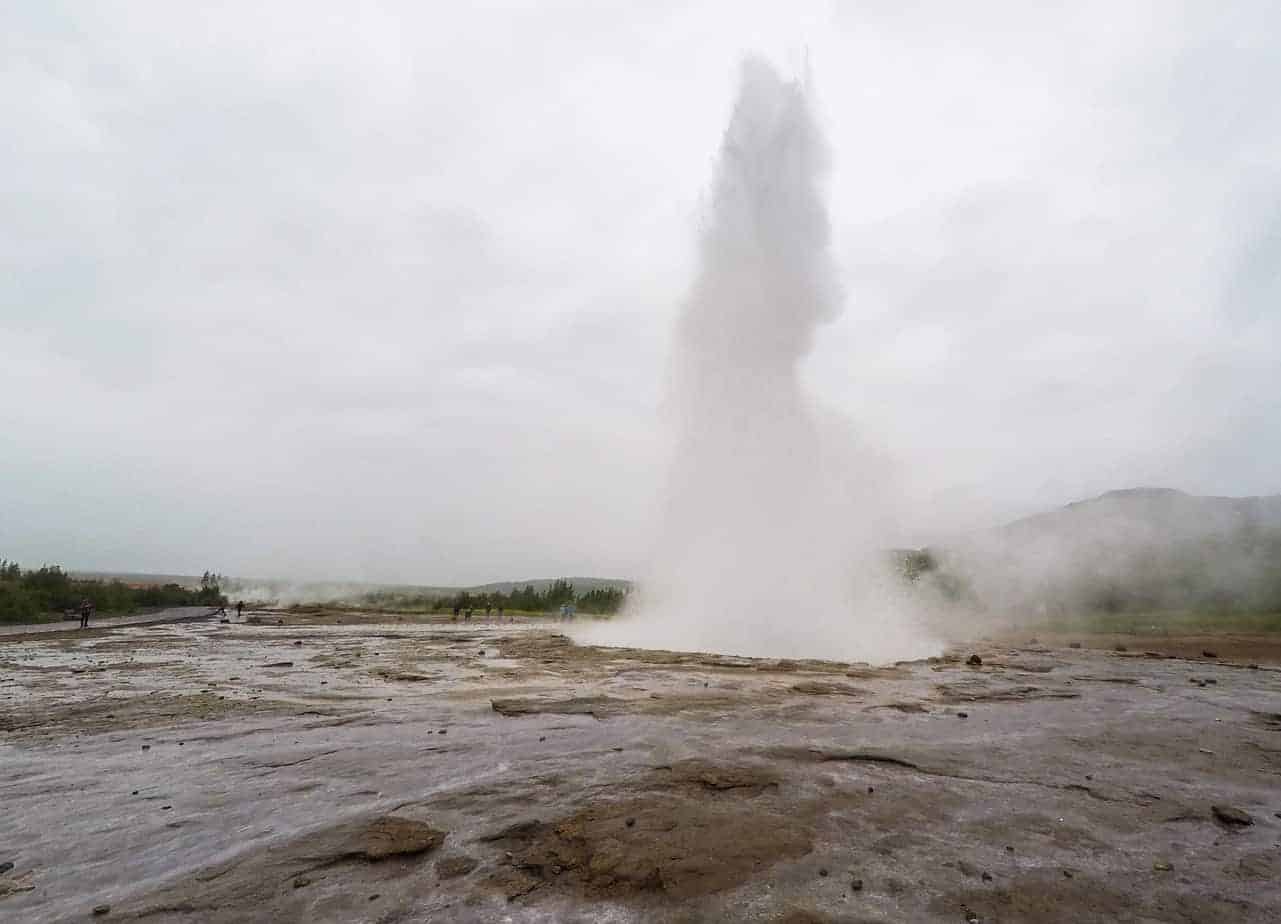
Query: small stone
[[870, 790], [823, 872], [631, 822], [146, 747], [1120, 648], [1074, 644], [974, 661], [1067, 874], [986, 877], [962, 715], [1009, 849], [374, 897], [1209, 654], [1162, 867], [301, 881], [453, 867], [856, 885], [556, 870], [100, 910], [1231, 815], [299, 642], [444, 731], [1089, 776], [134, 793], [5, 867], [542, 738]]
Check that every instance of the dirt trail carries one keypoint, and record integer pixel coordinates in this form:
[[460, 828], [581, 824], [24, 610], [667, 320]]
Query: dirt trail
[[311, 769]]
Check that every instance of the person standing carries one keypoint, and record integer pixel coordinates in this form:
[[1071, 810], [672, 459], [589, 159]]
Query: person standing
[[85, 609]]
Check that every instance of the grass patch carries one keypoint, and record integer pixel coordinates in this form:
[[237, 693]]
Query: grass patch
[[1179, 622]]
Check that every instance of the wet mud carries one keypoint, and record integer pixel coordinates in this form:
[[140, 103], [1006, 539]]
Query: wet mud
[[366, 767]]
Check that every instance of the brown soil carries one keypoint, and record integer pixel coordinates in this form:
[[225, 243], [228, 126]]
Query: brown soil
[[673, 838], [1235, 648]]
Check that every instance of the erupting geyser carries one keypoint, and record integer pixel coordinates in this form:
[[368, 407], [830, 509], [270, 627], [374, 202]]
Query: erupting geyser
[[770, 543]]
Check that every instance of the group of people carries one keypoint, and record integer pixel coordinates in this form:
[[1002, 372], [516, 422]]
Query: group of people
[[467, 613], [87, 609]]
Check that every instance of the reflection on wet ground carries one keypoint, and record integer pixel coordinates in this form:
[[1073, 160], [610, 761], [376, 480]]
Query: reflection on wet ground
[[379, 769]]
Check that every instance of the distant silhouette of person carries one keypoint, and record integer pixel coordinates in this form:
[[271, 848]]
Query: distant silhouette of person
[[500, 614], [85, 609], [467, 615], [240, 608]]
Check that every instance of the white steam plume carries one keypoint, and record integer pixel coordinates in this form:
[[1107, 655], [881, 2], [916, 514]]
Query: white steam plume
[[771, 529]]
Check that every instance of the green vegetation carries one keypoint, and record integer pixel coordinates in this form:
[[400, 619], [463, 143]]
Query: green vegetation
[[49, 593], [1165, 622], [527, 599]]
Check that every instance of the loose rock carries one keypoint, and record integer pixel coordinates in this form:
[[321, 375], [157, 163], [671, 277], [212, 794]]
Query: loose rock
[[1231, 815], [974, 661], [453, 867], [100, 910]]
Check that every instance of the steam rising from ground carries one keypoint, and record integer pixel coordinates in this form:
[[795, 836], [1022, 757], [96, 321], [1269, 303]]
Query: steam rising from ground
[[772, 520]]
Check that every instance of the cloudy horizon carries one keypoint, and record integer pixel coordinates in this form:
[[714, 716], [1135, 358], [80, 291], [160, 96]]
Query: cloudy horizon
[[383, 292]]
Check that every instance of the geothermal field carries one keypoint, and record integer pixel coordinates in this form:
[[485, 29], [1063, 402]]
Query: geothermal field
[[928, 474], [341, 766]]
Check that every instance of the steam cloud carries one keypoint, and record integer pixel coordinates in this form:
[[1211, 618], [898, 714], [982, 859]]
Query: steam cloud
[[768, 544]]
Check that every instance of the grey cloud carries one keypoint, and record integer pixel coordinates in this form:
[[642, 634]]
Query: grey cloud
[[313, 289]]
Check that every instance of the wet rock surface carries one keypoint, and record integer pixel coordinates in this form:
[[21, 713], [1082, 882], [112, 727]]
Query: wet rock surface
[[175, 773]]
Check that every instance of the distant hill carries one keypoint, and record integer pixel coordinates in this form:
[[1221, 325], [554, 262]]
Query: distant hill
[[138, 579], [1133, 549], [581, 584]]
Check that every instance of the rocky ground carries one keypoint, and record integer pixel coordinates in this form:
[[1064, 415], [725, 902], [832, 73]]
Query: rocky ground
[[337, 767]]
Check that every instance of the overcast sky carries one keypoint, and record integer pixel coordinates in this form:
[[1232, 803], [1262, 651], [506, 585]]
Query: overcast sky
[[384, 291]]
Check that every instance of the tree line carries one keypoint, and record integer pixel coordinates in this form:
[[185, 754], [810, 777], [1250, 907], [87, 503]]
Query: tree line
[[527, 599], [48, 592]]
